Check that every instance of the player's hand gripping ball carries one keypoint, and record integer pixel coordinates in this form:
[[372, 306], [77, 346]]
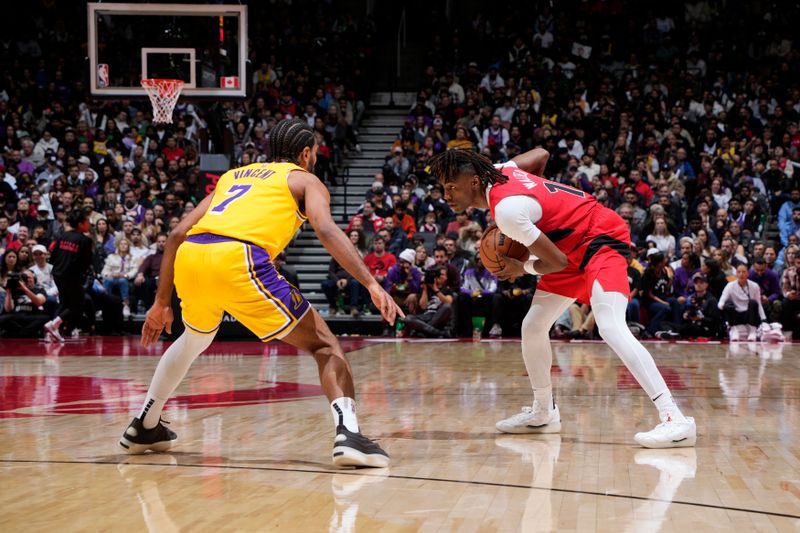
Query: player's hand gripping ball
[[495, 244]]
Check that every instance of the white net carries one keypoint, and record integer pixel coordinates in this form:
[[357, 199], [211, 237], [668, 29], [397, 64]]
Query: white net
[[163, 95]]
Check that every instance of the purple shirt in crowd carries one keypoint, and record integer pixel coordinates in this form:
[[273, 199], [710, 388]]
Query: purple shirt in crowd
[[682, 282], [395, 279], [769, 283]]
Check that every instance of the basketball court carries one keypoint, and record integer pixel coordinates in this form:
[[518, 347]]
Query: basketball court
[[254, 440]]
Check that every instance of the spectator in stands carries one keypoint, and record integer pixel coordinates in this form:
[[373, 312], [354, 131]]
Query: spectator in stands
[[403, 220], [453, 273], [741, 301], [455, 255], [792, 227], [397, 167], [23, 314], [770, 284], [657, 295], [469, 238], [478, 296], [434, 202], [9, 265], [118, 272], [461, 140], [403, 282], [379, 261], [139, 249], [682, 285], [785, 222], [395, 238], [356, 237], [701, 317], [146, 280], [371, 222], [790, 287], [422, 260], [786, 258], [661, 238], [341, 287], [437, 301], [44, 275]]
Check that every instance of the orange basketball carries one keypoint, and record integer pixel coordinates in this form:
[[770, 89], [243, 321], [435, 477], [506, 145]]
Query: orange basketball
[[494, 243]]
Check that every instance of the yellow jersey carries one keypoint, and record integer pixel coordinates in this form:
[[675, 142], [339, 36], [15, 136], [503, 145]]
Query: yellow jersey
[[254, 204]]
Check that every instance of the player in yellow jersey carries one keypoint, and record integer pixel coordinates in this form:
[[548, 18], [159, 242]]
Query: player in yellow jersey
[[220, 259]]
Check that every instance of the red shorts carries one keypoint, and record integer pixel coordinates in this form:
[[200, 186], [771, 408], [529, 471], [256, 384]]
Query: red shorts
[[603, 256]]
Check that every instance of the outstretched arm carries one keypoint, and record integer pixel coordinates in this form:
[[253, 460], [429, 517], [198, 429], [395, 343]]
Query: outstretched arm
[[533, 161]]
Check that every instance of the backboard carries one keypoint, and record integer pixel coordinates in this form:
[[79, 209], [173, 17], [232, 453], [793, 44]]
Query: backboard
[[205, 45]]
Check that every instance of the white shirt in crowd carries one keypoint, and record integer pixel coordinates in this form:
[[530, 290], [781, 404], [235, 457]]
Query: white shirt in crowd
[[741, 296]]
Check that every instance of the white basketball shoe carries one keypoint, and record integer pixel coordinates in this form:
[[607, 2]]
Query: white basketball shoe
[[669, 434], [538, 419]]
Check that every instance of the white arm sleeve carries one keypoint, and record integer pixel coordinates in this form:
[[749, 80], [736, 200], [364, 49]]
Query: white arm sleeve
[[516, 216]]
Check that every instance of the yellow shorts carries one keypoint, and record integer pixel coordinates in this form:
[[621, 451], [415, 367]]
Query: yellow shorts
[[215, 274]]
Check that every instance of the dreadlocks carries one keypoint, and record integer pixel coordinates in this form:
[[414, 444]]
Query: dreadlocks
[[288, 138], [448, 165]]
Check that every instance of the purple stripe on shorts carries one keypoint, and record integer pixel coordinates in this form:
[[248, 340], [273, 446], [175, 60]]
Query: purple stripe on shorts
[[278, 287], [209, 238]]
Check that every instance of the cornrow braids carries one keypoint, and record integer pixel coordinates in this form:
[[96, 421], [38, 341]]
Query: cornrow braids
[[288, 138], [448, 165]]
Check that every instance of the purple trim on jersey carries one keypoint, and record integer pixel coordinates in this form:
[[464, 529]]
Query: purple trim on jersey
[[209, 238], [276, 285]]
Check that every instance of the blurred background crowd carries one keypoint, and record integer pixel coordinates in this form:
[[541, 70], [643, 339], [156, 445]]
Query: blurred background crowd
[[681, 117]]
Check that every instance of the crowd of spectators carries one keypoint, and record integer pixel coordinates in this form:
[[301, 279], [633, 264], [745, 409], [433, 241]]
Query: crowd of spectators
[[65, 154], [689, 133]]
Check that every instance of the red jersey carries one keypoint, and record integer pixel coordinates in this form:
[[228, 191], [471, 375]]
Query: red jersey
[[379, 266], [594, 239], [566, 212]]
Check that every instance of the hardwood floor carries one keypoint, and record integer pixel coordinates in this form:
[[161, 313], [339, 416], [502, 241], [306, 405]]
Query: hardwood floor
[[255, 436]]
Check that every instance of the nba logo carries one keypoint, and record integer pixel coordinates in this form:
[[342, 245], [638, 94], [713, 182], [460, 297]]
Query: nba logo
[[102, 75], [229, 82]]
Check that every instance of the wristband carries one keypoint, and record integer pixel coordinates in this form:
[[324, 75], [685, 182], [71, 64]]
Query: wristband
[[528, 267]]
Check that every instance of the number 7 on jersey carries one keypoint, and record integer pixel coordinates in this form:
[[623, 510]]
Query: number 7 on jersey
[[235, 192]]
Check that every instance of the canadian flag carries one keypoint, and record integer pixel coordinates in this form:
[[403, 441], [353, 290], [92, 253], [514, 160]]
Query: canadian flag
[[229, 82]]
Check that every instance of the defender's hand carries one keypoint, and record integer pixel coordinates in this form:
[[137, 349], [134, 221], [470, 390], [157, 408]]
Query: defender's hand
[[385, 304], [158, 317]]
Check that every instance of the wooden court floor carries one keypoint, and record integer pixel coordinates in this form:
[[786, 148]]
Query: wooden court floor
[[255, 435]]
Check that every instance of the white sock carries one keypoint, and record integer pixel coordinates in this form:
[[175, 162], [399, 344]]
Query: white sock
[[57, 321], [171, 370], [667, 408], [544, 396], [344, 413]]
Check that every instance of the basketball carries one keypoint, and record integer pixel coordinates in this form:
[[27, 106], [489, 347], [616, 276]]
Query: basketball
[[494, 244]]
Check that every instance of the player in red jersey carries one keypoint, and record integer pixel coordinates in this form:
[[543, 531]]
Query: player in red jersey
[[579, 249]]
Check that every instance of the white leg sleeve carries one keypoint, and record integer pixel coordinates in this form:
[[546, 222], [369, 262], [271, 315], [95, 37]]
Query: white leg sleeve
[[545, 308], [609, 313], [171, 370]]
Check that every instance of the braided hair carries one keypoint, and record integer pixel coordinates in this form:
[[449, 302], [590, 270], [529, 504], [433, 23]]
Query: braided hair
[[448, 165], [288, 138]]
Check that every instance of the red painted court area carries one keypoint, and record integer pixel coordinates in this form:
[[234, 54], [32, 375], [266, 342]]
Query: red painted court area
[[130, 347]]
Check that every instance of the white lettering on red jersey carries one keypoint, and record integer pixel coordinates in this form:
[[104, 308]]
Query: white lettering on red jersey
[[566, 211]]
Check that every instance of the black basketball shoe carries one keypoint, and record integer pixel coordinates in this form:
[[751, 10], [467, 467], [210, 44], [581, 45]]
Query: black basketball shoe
[[137, 439], [354, 449]]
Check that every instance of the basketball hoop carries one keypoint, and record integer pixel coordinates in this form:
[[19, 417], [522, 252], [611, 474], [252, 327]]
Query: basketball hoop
[[163, 95]]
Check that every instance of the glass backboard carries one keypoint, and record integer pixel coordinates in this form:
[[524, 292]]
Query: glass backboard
[[205, 45]]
